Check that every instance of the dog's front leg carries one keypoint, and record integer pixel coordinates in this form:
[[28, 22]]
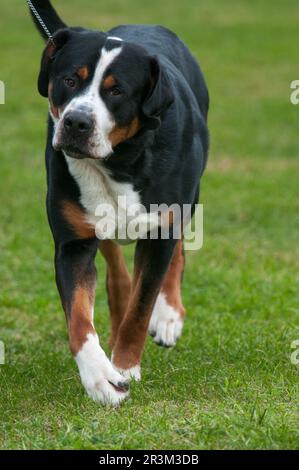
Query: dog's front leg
[[76, 278], [152, 258], [118, 284]]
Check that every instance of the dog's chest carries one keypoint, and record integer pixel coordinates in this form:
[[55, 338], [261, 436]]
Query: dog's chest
[[100, 193]]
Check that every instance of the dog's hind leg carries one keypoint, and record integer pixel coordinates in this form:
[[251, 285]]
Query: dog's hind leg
[[118, 284], [168, 315]]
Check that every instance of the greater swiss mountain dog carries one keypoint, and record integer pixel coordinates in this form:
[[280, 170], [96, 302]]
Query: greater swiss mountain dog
[[127, 119]]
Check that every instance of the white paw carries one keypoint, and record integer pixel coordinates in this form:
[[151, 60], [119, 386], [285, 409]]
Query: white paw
[[132, 373], [101, 381], [166, 323]]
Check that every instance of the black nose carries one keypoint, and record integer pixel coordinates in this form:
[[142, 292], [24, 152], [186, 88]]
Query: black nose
[[78, 122]]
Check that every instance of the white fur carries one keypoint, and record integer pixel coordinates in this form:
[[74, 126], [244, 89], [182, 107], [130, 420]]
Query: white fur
[[166, 323], [95, 106], [132, 373], [98, 188], [115, 38], [96, 371]]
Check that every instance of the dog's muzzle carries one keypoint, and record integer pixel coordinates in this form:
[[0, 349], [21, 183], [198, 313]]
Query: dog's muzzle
[[75, 134], [78, 125]]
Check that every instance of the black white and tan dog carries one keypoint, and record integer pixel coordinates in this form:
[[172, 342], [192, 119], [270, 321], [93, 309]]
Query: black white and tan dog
[[127, 117]]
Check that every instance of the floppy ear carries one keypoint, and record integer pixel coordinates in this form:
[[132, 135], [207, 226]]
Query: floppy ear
[[59, 40], [160, 96]]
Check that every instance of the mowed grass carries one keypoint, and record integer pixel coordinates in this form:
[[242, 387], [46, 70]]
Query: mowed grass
[[229, 383]]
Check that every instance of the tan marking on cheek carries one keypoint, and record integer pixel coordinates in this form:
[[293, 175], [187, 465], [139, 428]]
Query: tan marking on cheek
[[109, 82], [83, 73], [54, 109], [121, 134], [80, 321], [76, 218]]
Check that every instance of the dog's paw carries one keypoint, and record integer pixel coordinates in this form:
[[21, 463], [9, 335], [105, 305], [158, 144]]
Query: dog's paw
[[166, 323], [133, 373], [101, 381]]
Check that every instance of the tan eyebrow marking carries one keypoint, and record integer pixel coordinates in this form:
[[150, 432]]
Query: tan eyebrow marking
[[83, 73], [109, 82]]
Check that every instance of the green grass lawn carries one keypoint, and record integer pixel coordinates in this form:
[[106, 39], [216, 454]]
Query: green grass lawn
[[229, 383]]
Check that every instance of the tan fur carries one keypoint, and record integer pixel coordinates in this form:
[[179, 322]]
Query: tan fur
[[109, 82], [171, 286], [50, 49], [118, 285], [121, 134], [167, 218], [76, 218], [83, 73], [80, 321], [54, 109], [132, 332]]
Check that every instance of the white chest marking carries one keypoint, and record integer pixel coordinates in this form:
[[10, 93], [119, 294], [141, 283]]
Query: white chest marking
[[98, 189]]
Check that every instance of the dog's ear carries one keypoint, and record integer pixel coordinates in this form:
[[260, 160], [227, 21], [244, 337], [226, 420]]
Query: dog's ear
[[59, 40], [160, 96]]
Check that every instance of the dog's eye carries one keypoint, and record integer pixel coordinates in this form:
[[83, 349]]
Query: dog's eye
[[115, 91], [69, 82]]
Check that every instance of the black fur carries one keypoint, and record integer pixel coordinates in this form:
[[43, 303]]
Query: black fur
[[164, 161], [48, 15]]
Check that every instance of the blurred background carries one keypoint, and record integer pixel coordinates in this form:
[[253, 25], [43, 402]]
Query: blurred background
[[230, 382]]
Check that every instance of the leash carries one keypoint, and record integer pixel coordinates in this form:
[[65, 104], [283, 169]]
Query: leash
[[40, 20]]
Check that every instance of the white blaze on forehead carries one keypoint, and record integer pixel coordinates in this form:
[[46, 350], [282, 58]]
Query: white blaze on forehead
[[92, 102], [107, 57], [115, 38]]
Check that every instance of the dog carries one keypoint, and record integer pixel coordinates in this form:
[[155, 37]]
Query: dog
[[127, 119]]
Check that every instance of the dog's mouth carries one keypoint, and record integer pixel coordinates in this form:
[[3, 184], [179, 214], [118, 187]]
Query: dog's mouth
[[79, 149], [74, 152], [77, 153], [81, 146]]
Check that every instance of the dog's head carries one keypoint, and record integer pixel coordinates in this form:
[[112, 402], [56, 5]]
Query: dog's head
[[101, 91]]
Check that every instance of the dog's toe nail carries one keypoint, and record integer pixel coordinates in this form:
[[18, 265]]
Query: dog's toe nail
[[121, 386], [164, 345], [124, 385]]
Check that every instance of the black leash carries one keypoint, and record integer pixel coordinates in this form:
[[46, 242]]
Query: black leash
[[40, 20]]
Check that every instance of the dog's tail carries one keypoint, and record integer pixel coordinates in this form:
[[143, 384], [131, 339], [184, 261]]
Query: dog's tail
[[48, 15]]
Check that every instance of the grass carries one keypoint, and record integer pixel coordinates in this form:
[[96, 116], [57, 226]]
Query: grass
[[229, 383]]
